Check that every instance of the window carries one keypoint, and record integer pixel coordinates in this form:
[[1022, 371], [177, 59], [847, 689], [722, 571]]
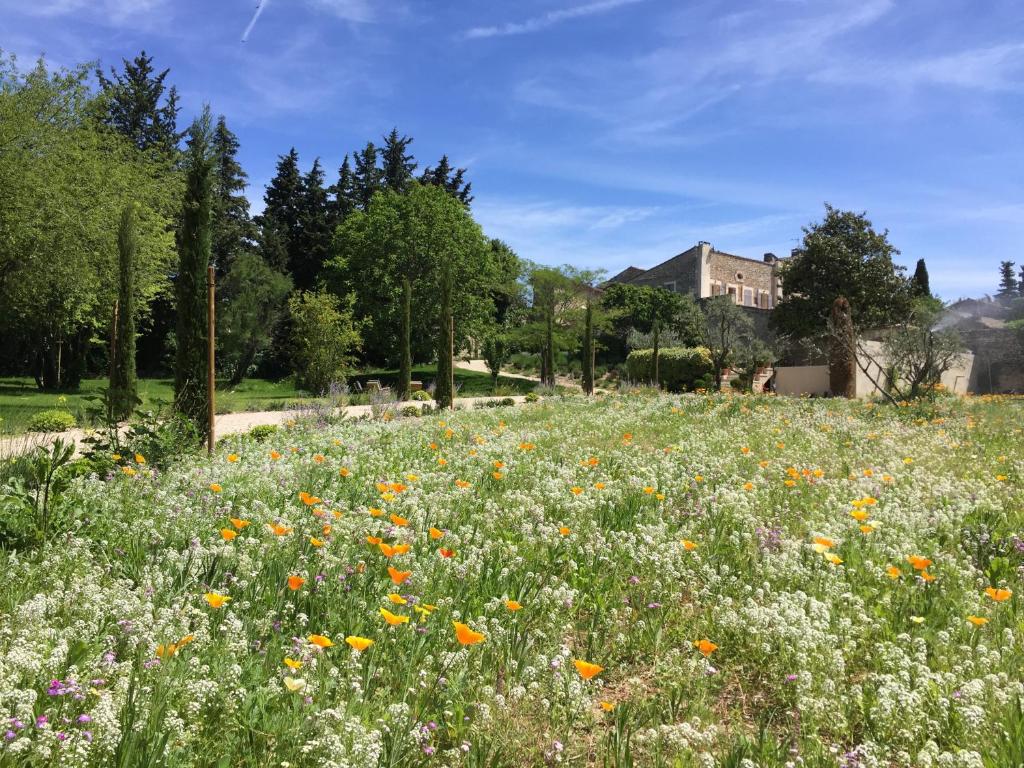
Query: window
[[716, 288], [739, 277], [669, 286], [732, 291], [748, 297]]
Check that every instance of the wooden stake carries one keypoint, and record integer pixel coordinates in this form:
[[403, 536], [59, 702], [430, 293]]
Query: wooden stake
[[211, 386], [451, 352]]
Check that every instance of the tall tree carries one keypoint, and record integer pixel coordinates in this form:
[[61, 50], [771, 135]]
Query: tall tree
[[1020, 280], [280, 218], [233, 228], [123, 385], [919, 285], [728, 334], [554, 290], [397, 165], [342, 195], [451, 179], [366, 177], [405, 353], [313, 247], [843, 255], [588, 346], [842, 361], [1007, 281], [140, 106], [191, 398]]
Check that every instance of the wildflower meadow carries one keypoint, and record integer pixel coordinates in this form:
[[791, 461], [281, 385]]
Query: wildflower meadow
[[628, 580]]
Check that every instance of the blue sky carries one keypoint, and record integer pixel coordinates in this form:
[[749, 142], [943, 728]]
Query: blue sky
[[605, 133]]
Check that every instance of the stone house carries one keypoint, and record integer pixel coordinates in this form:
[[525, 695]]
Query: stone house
[[703, 272]]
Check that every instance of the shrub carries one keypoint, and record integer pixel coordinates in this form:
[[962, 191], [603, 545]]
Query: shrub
[[679, 368], [507, 401], [532, 397], [261, 432], [427, 408], [411, 410], [324, 336], [54, 420], [420, 395]]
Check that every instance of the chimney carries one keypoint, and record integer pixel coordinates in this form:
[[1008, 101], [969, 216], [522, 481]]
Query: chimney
[[770, 258], [795, 252]]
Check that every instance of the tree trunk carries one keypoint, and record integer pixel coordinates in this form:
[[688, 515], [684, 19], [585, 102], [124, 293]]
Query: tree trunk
[[842, 372], [588, 350], [443, 393], [405, 359], [242, 368], [549, 349]]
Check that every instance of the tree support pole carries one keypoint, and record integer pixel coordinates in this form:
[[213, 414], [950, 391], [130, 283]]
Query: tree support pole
[[211, 387]]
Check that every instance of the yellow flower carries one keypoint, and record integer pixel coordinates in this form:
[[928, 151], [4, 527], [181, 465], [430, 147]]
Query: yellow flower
[[706, 647], [140, 459], [576, 490], [999, 595], [917, 619], [893, 572], [607, 706], [397, 599], [292, 663], [688, 545], [359, 643], [393, 619], [513, 605], [215, 487], [320, 641], [227, 534], [748, 486], [233, 458], [978, 621], [833, 558], [295, 684], [215, 600]]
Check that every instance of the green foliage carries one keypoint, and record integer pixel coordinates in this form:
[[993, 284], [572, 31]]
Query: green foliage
[[263, 432], [64, 182], [1008, 288], [729, 336], [532, 397], [191, 398], [842, 255], [52, 421], [324, 336], [919, 351], [421, 395], [680, 368], [32, 494], [410, 410], [252, 303], [920, 285], [123, 384], [132, 105], [233, 229]]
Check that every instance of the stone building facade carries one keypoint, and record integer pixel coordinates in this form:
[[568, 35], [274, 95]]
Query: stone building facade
[[703, 272]]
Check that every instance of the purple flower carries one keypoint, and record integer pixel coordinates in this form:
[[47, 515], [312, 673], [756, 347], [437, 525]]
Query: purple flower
[[61, 736], [428, 750], [634, 580], [791, 677], [87, 735], [84, 718], [654, 605], [16, 723], [41, 721], [10, 735]]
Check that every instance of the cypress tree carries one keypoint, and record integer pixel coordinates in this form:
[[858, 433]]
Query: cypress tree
[[123, 385], [842, 374], [405, 360], [451, 179], [194, 245], [396, 165], [588, 347], [919, 286], [343, 200]]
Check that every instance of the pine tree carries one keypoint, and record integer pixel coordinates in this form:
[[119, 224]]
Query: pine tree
[[396, 165], [1020, 281], [123, 392], [343, 200], [282, 203], [134, 108], [919, 285], [194, 245], [443, 175], [1008, 281], [314, 244], [366, 178], [233, 229]]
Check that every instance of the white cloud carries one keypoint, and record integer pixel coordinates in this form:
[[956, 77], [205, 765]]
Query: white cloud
[[112, 12], [549, 19]]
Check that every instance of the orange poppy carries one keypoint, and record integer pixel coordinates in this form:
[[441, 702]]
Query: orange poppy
[[320, 641], [607, 706], [919, 563], [274, 455], [373, 540], [586, 669], [292, 663], [227, 534], [278, 530], [374, 512], [397, 576], [564, 530], [893, 572], [295, 583], [215, 487], [318, 458], [436, 533], [513, 605], [344, 472], [238, 522], [688, 545], [447, 552], [706, 647], [216, 601], [977, 621], [999, 595], [497, 475], [467, 636], [397, 599], [462, 484], [315, 541], [359, 643], [233, 457], [576, 490], [399, 521]]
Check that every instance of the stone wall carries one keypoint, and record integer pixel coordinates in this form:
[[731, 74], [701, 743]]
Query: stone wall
[[682, 270], [998, 360], [743, 273]]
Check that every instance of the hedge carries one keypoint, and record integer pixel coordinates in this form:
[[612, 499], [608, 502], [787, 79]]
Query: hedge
[[679, 368]]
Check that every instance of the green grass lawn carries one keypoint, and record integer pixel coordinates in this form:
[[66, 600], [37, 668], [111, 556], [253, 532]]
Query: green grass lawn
[[468, 383], [20, 399]]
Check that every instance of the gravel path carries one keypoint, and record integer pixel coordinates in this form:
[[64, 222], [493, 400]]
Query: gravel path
[[225, 424]]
